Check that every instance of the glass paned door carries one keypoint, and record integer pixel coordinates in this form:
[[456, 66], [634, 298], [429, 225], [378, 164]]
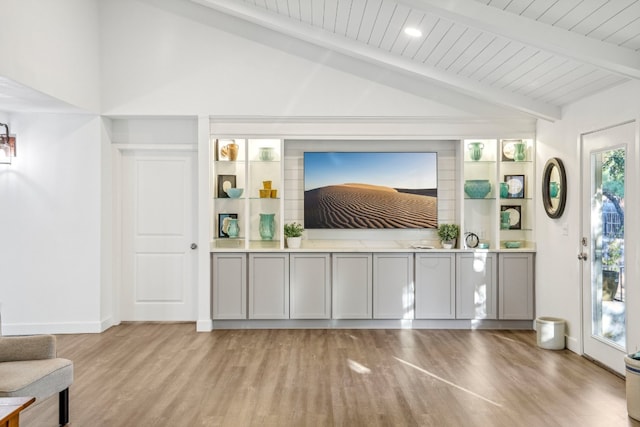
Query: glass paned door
[[604, 161]]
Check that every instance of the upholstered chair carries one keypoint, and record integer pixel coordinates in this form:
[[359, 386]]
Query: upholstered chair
[[29, 367]]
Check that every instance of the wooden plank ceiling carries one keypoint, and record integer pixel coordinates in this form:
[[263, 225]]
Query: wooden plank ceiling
[[531, 55]]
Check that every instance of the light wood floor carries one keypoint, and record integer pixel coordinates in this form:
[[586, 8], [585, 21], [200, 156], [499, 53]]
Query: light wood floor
[[148, 374]]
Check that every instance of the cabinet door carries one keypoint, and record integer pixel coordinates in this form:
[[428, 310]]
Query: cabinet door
[[435, 286], [352, 286], [310, 286], [268, 286], [515, 284], [476, 292], [393, 286], [229, 277]]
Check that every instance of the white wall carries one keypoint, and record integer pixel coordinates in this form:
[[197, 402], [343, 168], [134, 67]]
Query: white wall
[[52, 46], [558, 270], [156, 62], [51, 213]]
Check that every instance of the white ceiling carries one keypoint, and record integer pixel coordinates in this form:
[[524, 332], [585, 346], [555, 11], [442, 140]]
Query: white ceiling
[[534, 56]]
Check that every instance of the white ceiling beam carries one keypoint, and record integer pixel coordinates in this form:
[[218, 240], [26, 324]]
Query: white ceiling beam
[[607, 56], [382, 58]]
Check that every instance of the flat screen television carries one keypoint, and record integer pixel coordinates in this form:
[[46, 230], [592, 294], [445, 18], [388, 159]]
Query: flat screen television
[[372, 190]]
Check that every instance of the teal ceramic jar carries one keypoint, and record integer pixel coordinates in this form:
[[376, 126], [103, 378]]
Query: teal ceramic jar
[[267, 226], [477, 188]]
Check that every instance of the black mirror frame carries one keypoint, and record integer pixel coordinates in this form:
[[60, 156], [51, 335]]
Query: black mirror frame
[[554, 162]]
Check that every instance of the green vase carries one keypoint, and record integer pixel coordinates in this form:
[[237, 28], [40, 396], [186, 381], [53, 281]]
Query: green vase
[[267, 226]]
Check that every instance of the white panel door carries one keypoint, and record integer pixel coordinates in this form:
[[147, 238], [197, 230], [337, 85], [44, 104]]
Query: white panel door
[[393, 291], [158, 228]]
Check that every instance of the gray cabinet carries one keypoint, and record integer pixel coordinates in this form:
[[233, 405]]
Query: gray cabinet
[[268, 286], [435, 286], [229, 277], [393, 286], [310, 286], [351, 286], [515, 284], [476, 285]]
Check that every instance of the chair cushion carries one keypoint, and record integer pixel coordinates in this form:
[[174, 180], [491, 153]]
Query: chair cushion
[[38, 378]]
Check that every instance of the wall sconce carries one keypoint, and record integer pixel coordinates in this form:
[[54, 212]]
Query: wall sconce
[[7, 145]]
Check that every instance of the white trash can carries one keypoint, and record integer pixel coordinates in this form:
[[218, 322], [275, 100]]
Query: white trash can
[[550, 333], [633, 387]]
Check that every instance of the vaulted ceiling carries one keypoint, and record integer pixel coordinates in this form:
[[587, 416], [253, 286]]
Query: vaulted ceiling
[[534, 56]]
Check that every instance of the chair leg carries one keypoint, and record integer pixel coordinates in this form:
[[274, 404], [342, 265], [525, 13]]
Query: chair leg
[[63, 408]]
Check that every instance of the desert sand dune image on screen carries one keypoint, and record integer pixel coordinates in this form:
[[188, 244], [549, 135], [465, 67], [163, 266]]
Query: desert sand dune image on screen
[[369, 206]]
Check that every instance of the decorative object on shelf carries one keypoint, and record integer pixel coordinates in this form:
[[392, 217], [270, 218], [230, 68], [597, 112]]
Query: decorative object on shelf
[[471, 240], [477, 188], [7, 145], [520, 151], [223, 224], [233, 229], [227, 149], [512, 244], [267, 192], [554, 197], [515, 186], [505, 221], [504, 190], [234, 193], [515, 218], [266, 154], [508, 149], [448, 234], [267, 226], [293, 234], [483, 245], [225, 182], [475, 150]]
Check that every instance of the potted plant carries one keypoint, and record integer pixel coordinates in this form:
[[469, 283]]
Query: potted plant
[[448, 234], [293, 234], [611, 270]]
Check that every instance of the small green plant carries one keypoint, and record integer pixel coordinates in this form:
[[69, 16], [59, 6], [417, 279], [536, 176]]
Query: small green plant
[[293, 230], [448, 232]]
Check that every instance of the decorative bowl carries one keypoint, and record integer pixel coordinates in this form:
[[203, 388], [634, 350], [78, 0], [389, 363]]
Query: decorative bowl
[[234, 193], [512, 244], [477, 188], [483, 245]]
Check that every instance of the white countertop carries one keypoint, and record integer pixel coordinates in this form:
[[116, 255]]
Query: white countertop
[[400, 246]]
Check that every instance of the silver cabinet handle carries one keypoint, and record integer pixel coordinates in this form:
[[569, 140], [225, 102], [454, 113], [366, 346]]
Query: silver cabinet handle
[[582, 256], [194, 246]]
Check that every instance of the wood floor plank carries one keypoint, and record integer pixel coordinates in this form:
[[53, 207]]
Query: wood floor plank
[[157, 374]]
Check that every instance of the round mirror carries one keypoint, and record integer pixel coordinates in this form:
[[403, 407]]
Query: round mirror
[[554, 188]]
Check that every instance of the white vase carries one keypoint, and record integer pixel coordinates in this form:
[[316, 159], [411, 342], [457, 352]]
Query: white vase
[[448, 244], [294, 242]]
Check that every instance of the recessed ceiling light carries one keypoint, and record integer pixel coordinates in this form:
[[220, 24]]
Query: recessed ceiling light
[[413, 32]]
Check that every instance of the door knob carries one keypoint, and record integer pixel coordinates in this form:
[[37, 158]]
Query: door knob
[[194, 246], [582, 256]]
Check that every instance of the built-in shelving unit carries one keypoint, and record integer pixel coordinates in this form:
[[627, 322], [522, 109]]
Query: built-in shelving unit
[[483, 216], [257, 169]]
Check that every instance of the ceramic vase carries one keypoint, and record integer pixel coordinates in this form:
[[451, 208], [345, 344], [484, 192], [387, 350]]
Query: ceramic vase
[[267, 226], [475, 150], [520, 152], [233, 229], [477, 188]]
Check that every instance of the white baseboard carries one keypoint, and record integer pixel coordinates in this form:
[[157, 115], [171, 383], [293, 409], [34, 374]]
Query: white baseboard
[[107, 323], [204, 325], [52, 328], [573, 344]]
